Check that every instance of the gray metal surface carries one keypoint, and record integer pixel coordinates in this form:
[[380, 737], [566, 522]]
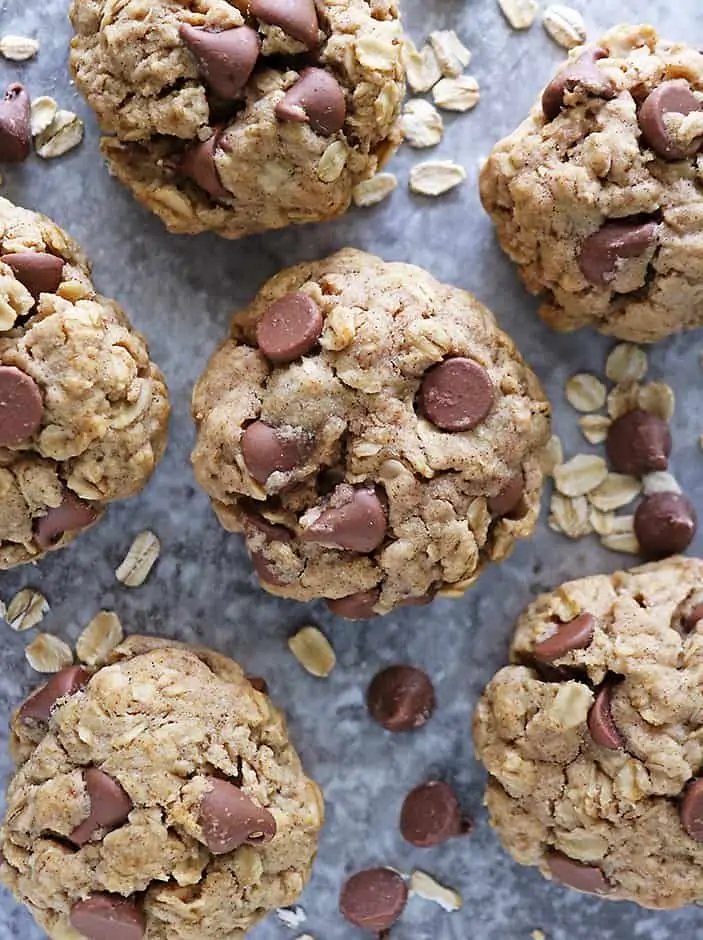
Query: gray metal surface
[[180, 292]]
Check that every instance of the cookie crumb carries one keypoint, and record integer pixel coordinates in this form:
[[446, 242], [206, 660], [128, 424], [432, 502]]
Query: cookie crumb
[[48, 654], [140, 559], [436, 177], [426, 887], [26, 609], [313, 651]]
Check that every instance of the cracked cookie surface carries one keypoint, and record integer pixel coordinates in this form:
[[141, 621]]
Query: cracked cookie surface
[[593, 739], [241, 117], [83, 410], [597, 195], [372, 433], [159, 797]]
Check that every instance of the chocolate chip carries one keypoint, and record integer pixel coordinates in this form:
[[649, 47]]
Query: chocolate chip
[[67, 682], [229, 818], [581, 75], [665, 524], [430, 815], [265, 571], [297, 18], [15, 134], [509, 498], [374, 899], [401, 698], [693, 619], [577, 634], [601, 723], [253, 523], [109, 806], [267, 450], [618, 240], [691, 810], [198, 163], [39, 272], [566, 871], [355, 521], [289, 328], [316, 99], [73, 514], [225, 59], [457, 394], [21, 406], [108, 917], [260, 684], [359, 606], [673, 97], [638, 443]]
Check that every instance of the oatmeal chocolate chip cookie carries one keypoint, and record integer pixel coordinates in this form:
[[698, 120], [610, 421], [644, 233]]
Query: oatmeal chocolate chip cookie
[[597, 195], [593, 739], [239, 116], [372, 433], [83, 410], [158, 798]]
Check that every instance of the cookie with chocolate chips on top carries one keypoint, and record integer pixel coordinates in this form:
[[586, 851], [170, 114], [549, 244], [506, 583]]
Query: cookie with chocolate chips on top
[[593, 737], [596, 196], [238, 117], [372, 433]]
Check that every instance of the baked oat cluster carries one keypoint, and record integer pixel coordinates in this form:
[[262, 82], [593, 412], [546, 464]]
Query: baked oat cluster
[[597, 195], [158, 797], [83, 410], [593, 738], [372, 433], [239, 117]]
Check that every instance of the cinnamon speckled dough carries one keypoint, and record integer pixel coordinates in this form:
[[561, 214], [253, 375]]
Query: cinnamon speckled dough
[[553, 183], [149, 91], [615, 805], [162, 721], [349, 427], [102, 406]]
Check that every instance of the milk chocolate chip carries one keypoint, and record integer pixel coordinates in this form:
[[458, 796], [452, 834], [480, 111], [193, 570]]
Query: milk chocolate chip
[[618, 240], [665, 524], [374, 899], [359, 606], [691, 810], [38, 271], [431, 815], [316, 99], [457, 394], [225, 59], [289, 328], [108, 917], [509, 498], [583, 74], [638, 443], [109, 806], [229, 818], [15, 134], [600, 721], [266, 450], [401, 698], [577, 634], [673, 97], [297, 18], [73, 514], [198, 163], [21, 407], [576, 875], [67, 682], [355, 521], [693, 619]]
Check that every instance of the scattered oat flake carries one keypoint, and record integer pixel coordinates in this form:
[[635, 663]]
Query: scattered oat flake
[[457, 94], [537, 935], [424, 886], [48, 653], [580, 475], [657, 398], [140, 559], [421, 66], [313, 651], [570, 517], [26, 609], [371, 192], [63, 134], [624, 542], [452, 54], [626, 363], [421, 123], [616, 491], [18, 48], [43, 112], [435, 177], [595, 428], [100, 637], [585, 392], [565, 25], [623, 398], [292, 916], [519, 13]]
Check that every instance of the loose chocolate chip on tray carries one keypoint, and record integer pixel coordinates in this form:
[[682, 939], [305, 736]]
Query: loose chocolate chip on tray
[[38, 271], [665, 524], [21, 406], [109, 806], [691, 810], [583, 74], [67, 682], [577, 634], [316, 99], [357, 606], [374, 899], [198, 163], [616, 241], [356, 521], [108, 917], [401, 698], [567, 871], [509, 498], [457, 394], [672, 97], [431, 815], [226, 59], [15, 133], [73, 514], [639, 442], [289, 328], [229, 818], [267, 450], [600, 721], [297, 18]]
